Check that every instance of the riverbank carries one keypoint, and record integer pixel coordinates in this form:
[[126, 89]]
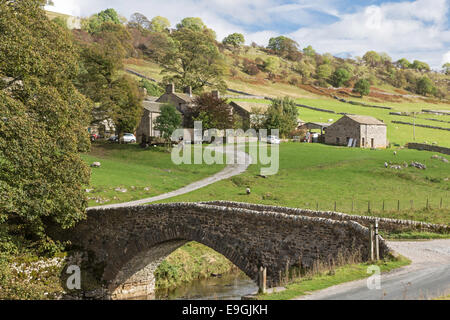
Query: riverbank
[[193, 261]]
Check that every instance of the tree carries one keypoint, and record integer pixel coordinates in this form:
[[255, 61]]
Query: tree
[[282, 114], [194, 60], [446, 68], [214, 112], [235, 39], [425, 86], [324, 71], [126, 105], [271, 64], [93, 24], [362, 87], [138, 20], [42, 124], [372, 58], [403, 63], [168, 121], [159, 24], [421, 66], [283, 46], [152, 88], [309, 51], [195, 24], [340, 77]]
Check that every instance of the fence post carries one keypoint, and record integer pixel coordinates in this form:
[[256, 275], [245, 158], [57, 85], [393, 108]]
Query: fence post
[[398, 205], [371, 256], [335, 206], [353, 204], [377, 244], [440, 204], [317, 205], [262, 279], [427, 204], [412, 204], [383, 205]]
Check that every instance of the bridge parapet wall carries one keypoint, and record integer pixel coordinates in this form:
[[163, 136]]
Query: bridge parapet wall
[[385, 224]]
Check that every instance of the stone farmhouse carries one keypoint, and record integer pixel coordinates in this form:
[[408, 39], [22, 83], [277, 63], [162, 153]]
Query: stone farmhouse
[[184, 102], [248, 111], [357, 131]]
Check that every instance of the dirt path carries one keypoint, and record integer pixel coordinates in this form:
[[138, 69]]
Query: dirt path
[[242, 159], [426, 277]]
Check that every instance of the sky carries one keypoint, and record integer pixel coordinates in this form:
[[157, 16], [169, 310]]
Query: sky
[[415, 29]]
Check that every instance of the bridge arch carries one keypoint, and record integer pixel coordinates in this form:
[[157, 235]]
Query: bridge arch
[[131, 242]]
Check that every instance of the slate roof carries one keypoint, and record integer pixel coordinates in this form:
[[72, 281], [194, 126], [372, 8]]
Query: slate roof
[[248, 106], [365, 120]]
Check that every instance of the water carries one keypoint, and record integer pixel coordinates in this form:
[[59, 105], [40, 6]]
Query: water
[[226, 287]]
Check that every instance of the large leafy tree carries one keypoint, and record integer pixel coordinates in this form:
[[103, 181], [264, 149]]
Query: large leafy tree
[[283, 46], [235, 39], [340, 77], [194, 60], [362, 87], [43, 121], [425, 86], [94, 23], [282, 115], [168, 121], [372, 58], [159, 24], [214, 112]]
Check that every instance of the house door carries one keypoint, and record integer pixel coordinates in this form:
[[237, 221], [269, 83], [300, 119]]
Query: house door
[[372, 143], [363, 144]]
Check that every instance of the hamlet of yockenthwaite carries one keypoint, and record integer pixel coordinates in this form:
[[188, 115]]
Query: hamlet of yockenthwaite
[[96, 105]]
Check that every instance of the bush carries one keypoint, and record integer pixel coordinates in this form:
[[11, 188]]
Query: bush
[[250, 67]]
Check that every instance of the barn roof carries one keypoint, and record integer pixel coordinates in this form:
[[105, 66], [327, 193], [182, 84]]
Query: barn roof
[[249, 106], [365, 120]]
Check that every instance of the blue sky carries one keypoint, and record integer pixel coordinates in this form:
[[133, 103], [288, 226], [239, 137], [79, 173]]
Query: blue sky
[[414, 29]]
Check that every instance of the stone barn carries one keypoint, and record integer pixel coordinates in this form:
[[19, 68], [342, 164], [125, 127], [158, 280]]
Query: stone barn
[[357, 131]]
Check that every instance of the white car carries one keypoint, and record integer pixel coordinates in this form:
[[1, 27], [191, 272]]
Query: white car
[[273, 140], [128, 138]]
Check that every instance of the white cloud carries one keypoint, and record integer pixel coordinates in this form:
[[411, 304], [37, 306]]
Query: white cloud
[[446, 58], [415, 30], [70, 7]]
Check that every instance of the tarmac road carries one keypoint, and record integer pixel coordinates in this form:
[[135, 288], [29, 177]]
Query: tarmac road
[[428, 276]]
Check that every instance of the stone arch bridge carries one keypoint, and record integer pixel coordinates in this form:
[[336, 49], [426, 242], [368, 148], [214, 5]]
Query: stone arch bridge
[[127, 244]]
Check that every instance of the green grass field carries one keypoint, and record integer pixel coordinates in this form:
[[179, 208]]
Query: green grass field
[[128, 166], [315, 175]]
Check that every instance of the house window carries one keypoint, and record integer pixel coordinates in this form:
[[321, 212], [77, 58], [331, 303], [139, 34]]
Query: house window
[[337, 140]]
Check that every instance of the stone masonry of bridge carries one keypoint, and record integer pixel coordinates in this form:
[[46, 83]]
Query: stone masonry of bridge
[[130, 243]]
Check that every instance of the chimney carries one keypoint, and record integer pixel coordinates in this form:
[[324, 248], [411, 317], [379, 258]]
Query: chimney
[[188, 91], [216, 94], [170, 88]]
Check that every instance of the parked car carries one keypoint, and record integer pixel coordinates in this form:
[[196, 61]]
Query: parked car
[[128, 138], [94, 137], [113, 139], [273, 140]]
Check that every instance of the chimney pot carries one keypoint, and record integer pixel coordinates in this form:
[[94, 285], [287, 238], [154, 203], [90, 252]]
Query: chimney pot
[[170, 88], [188, 91]]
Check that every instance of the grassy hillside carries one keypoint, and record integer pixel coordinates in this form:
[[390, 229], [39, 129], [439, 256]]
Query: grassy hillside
[[316, 97], [314, 175]]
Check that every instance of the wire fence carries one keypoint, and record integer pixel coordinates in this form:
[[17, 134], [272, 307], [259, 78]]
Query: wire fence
[[359, 206]]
